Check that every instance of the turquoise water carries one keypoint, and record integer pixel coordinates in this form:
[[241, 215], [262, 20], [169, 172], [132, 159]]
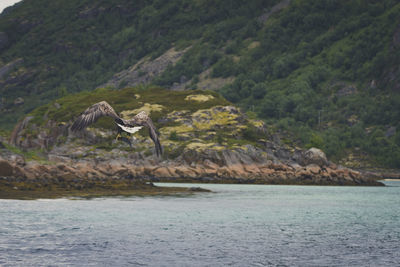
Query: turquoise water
[[239, 225]]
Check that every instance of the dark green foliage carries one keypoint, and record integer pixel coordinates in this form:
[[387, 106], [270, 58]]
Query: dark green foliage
[[310, 57], [251, 133], [173, 136], [224, 68], [259, 90], [173, 153]]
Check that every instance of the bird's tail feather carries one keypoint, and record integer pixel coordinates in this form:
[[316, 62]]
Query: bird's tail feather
[[157, 144], [154, 136]]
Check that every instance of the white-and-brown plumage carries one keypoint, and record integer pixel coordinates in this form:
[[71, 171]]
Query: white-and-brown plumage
[[101, 109]]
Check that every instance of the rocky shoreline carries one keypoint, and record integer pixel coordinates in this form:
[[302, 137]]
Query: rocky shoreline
[[206, 167], [211, 144]]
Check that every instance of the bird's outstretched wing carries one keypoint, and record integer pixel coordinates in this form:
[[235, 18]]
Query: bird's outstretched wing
[[142, 119], [92, 114]]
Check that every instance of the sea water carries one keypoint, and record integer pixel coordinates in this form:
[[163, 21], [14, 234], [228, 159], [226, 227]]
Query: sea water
[[238, 225]]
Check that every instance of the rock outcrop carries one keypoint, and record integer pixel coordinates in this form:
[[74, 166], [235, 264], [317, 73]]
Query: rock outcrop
[[210, 143], [145, 70]]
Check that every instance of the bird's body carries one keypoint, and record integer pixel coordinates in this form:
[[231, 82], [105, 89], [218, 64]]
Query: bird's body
[[101, 109], [130, 130]]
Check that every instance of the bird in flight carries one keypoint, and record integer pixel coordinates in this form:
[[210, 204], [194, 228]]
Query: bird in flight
[[101, 109]]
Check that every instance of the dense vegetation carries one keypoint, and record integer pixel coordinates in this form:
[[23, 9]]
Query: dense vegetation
[[75, 45], [324, 73], [321, 72]]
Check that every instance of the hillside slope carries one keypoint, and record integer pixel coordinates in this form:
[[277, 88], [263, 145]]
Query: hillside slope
[[322, 74], [69, 46]]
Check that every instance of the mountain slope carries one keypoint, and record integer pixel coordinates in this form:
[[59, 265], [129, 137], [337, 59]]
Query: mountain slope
[[323, 74], [70, 46]]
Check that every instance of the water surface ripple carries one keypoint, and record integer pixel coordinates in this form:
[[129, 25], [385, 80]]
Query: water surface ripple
[[239, 225]]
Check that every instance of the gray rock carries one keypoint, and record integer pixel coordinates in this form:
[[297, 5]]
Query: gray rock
[[282, 154], [313, 156], [19, 101]]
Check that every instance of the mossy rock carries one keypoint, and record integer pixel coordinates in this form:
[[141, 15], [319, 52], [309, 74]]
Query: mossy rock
[[157, 100], [181, 117]]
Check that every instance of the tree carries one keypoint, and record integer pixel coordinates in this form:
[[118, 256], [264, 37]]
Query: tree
[[259, 90]]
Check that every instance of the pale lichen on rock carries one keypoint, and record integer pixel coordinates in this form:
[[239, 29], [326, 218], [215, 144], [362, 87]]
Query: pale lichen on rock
[[199, 98], [147, 107]]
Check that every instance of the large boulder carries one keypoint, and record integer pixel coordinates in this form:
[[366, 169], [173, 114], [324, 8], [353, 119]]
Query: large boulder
[[313, 156]]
